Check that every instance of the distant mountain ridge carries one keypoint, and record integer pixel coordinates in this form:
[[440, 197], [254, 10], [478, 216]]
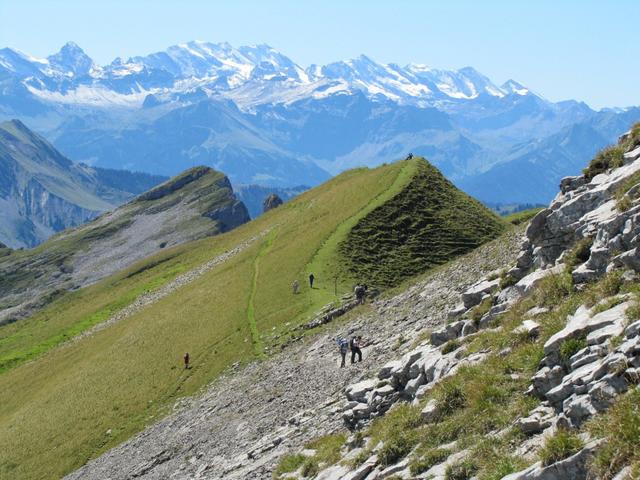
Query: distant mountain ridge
[[261, 118], [43, 192]]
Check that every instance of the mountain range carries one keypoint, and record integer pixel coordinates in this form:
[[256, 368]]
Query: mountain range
[[254, 114]]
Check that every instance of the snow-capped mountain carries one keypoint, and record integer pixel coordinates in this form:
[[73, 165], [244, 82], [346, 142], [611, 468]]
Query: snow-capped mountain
[[257, 115], [219, 69]]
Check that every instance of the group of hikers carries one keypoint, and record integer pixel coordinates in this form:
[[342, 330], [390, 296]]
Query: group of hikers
[[354, 345]]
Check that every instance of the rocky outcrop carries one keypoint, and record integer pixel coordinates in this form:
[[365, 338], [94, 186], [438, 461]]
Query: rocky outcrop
[[271, 202]]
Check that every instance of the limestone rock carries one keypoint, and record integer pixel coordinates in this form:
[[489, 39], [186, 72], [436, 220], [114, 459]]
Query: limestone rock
[[574, 467], [430, 412], [473, 295], [529, 328]]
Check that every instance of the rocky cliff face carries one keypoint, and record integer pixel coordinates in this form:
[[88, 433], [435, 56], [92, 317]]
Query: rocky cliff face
[[505, 384]]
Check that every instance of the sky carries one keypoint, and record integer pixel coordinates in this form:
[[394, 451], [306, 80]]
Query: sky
[[562, 49]]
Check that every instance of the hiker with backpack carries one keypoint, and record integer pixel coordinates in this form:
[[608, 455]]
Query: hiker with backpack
[[343, 345], [355, 348], [311, 279]]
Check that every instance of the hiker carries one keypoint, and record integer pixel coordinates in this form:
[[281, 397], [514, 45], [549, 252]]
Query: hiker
[[360, 292], [186, 360], [410, 156], [295, 286], [344, 346], [311, 279], [355, 349]]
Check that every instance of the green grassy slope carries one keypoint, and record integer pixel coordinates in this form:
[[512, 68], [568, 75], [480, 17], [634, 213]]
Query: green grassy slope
[[56, 409], [424, 225]]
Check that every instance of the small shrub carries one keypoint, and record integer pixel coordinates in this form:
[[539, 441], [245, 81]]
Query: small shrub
[[608, 286], [481, 310], [396, 448], [507, 281], [327, 448], [494, 275], [615, 342], [462, 470], [623, 203], [427, 460], [579, 253], [451, 346], [503, 467], [452, 398], [570, 347], [553, 289], [608, 304], [606, 159], [310, 467], [633, 312], [559, 446]]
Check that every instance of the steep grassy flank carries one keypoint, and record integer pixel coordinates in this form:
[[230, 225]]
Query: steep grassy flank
[[426, 224]]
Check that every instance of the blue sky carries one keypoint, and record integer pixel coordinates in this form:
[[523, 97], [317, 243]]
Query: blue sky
[[585, 49]]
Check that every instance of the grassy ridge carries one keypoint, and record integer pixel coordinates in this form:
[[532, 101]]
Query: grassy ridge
[[427, 223]]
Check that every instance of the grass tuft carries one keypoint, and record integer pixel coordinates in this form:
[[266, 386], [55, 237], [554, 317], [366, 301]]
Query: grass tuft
[[559, 446]]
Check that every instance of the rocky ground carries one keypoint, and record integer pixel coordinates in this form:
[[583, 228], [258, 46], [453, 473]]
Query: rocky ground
[[253, 415]]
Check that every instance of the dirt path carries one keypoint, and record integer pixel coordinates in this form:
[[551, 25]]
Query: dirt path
[[251, 318]]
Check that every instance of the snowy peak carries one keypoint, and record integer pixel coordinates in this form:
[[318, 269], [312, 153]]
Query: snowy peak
[[511, 86], [466, 83], [71, 61]]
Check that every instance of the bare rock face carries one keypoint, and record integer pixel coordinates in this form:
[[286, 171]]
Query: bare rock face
[[271, 202]]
